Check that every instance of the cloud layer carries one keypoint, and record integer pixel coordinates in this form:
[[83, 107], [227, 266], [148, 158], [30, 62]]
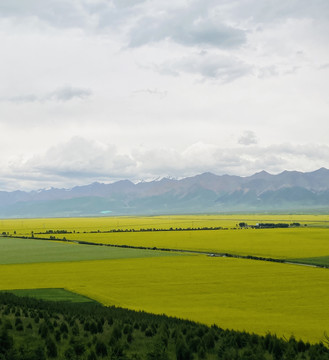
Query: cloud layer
[[110, 89], [80, 161]]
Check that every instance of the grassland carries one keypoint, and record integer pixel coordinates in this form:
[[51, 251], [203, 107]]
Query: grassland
[[23, 251]]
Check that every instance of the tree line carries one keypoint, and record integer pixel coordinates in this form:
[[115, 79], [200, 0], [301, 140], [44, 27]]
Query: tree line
[[33, 329]]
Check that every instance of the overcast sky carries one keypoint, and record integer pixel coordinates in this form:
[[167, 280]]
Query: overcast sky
[[102, 90]]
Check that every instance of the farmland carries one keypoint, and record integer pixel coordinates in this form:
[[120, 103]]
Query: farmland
[[310, 240], [239, 294], [22, 251], [233, 293], [279, 243], [25, 226]]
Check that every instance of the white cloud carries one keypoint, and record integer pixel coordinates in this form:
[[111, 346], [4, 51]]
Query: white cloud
[[81, 158], [80, 161]]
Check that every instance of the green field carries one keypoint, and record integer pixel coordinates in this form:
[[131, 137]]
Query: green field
[[51, 295], [25, 251], [321, 260]]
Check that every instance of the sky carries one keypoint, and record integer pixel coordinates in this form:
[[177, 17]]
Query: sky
[[103, 90]]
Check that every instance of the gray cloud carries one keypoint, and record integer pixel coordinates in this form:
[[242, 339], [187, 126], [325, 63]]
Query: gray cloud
[[324, 66], [22, 98], [248, 138], [84, 14], [59, 13], [193, 22], [209, 65], [186, 29], [144, 22], [153, 92], [273, 10], [242, 42], [67, 93], [63, 94], [221, 24]]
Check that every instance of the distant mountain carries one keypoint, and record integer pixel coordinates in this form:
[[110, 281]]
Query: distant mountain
[[204, 193]]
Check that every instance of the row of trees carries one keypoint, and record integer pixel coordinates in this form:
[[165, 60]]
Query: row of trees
[[268, 225]]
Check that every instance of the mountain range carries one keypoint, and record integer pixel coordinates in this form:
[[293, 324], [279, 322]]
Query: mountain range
[[204, 193]]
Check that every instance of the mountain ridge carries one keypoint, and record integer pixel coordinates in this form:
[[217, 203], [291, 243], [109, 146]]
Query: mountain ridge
[[206, 192]]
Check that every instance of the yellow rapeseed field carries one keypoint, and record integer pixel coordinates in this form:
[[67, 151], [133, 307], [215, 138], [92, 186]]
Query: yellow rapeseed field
[[278, 243], [239, 294], [25, 226], [310, 241]]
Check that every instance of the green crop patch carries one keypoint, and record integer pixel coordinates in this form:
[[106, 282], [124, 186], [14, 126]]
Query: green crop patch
[[320, 260], [51, 295], [25, 251]]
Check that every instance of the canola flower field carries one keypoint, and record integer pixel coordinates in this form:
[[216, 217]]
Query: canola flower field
[[25, 226], [310, 241], [249, 295], [278, 243], [237, 294]]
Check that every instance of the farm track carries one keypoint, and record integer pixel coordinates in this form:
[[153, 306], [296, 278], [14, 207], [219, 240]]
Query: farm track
[[211, 254]]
